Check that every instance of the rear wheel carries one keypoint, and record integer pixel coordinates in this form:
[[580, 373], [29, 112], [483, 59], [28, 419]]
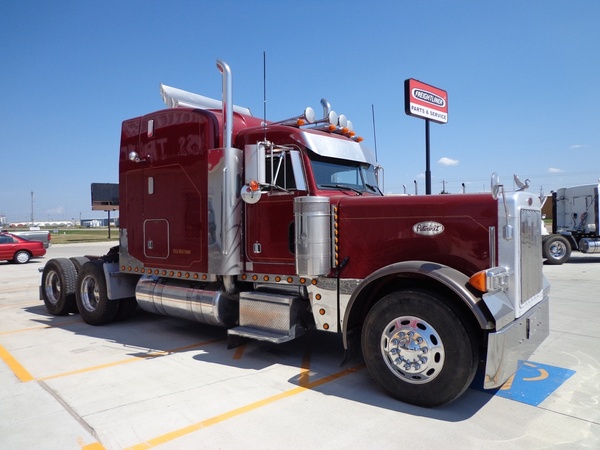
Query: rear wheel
[[22, 257], [556, 249], [59, 279], [418, 349], [78, 261], [92, 297]]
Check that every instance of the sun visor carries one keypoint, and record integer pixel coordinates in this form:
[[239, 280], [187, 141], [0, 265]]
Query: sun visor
[[334, 147]]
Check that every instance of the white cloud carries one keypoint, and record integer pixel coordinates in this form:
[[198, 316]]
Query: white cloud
[[554, 170], [448, 161], [578, 146], [56, 211]]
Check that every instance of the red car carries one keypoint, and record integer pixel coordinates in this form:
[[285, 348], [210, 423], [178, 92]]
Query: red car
[[18, 249]]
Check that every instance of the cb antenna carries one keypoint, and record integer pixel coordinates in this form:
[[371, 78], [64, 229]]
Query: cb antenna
[[374, 132], [265, 94]]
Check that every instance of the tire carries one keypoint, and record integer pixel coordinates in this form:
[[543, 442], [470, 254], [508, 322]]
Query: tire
[[59, 279], [22, 257], [417, 349], [78, 261], [91, 295], [556, 249]]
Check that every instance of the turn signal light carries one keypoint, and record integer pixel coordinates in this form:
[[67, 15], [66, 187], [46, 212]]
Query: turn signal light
[[254, 185], [490, 280], [478, 281]]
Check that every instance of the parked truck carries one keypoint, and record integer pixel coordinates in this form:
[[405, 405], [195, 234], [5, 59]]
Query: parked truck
[[43, 236], [276, 229], [575, 223]]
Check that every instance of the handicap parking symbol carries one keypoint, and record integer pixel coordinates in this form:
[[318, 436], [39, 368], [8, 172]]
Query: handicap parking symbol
[[534, 382]]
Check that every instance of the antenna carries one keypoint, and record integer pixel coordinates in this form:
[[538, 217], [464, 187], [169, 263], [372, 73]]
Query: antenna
[[374, 132], [265, 94]]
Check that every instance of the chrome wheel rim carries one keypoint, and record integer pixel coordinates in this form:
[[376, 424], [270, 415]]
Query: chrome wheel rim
[[557, 250], [412, 349], [90, 293], [52, 287]]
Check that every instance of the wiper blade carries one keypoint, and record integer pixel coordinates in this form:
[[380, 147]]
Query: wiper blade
[[343, 187], [374, 188]]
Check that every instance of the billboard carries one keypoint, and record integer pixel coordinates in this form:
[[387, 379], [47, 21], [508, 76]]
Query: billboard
[[425, 101], [105, 196]]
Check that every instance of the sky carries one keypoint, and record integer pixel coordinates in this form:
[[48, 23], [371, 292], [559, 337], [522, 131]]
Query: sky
[[522, 77]]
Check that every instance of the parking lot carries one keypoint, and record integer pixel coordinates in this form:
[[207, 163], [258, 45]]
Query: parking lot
[[153, 381]]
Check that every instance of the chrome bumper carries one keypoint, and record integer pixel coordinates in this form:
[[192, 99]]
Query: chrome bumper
[[515, 343]]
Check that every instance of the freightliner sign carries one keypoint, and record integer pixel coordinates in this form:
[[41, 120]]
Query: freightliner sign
[[425, 101]]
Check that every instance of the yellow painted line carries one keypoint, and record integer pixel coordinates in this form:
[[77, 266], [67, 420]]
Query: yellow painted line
[[42, 327], [20, 371], [239, 352], [242, 410], [304, 378], [94, 446], [156, 354]]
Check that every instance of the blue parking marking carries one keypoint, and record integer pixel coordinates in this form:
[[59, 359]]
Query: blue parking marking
[[534, 382], [531, 384]]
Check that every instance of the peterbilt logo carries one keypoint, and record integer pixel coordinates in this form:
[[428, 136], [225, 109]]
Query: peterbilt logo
[[428, 97], [428, 228]]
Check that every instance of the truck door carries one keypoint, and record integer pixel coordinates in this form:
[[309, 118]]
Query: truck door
[[269, 223]]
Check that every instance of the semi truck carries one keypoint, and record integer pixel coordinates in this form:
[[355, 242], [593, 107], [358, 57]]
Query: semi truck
[[275, 229], [575, 223]]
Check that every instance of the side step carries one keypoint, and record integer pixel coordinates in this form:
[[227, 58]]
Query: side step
[[266, 316]]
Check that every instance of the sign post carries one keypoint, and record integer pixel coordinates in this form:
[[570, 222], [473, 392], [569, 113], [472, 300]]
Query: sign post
[[429, 103]]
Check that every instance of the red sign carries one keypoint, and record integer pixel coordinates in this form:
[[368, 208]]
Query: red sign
[[425, 101]]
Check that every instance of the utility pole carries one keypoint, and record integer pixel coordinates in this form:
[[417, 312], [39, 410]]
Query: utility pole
[[32, 223]]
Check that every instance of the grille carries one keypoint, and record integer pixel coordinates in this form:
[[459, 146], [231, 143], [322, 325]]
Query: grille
[[531, 254]]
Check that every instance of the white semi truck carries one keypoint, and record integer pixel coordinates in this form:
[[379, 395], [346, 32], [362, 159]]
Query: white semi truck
[[575, 223]]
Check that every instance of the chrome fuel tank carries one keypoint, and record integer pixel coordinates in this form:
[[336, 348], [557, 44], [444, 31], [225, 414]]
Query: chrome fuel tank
[[313, 236], [187, 300]]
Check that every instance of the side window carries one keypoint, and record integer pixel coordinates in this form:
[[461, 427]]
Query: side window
[[279, 171], [284, 170], [6, 239]]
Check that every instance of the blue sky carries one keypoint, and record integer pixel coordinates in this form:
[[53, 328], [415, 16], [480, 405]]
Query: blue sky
[[523, 83]]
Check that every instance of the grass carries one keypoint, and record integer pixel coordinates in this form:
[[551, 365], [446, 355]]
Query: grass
[[73, 235]]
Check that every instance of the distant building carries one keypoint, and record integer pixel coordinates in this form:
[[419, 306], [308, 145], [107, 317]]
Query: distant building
[[94, 223]]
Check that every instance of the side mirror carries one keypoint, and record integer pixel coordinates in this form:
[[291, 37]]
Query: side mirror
[[254, 172]]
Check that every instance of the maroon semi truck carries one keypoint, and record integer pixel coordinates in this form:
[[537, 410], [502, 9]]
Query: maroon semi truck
[[275, 229]]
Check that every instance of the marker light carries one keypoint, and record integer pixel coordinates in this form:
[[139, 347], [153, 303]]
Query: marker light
[[478, 281], [254, 185], [490, 280]]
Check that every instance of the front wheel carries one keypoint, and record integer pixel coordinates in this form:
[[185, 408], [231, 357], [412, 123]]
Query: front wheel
[[92, 296], [418, 349], [556, 249]]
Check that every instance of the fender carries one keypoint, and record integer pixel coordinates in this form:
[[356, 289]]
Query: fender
[[451, 278]]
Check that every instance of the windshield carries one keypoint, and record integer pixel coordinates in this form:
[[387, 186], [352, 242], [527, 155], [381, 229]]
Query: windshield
[[343, 174]]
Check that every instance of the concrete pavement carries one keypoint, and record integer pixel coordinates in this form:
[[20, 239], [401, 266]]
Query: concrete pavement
[[153, 381]]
